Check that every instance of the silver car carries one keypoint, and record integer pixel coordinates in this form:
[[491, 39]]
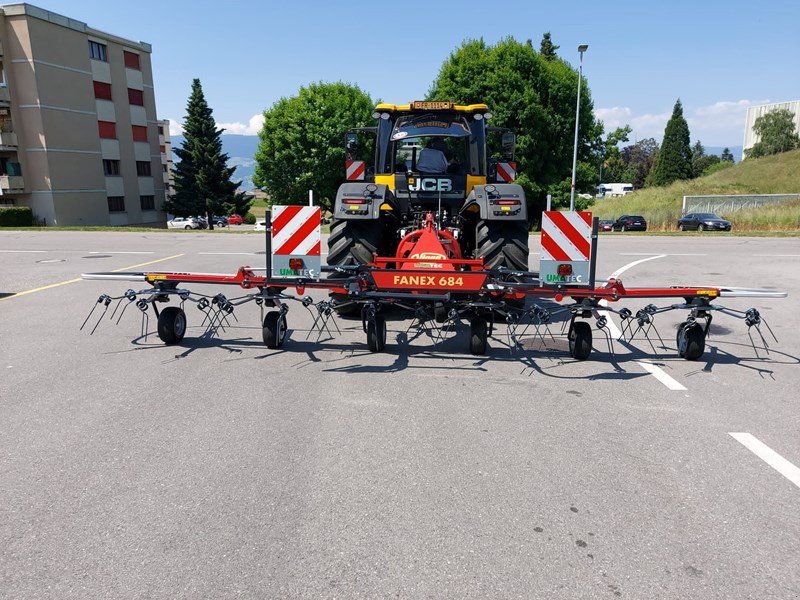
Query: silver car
[[183, 223]]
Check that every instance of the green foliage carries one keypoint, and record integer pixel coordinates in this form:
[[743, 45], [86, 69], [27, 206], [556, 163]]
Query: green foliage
[[613, 165], [674, 160], [717, 167], [702, 161], [547, 48], [727, 156], [638, 160], [533, 96], [16, 216], [302, 142], [202, 178], [776, 133], [249, 219]]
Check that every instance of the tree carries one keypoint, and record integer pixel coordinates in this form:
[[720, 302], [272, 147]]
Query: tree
[[613, 165], [530, 95], [547, 48], [639, 159], [726, 155], [700, 160], [202, 178], [776, 133], [302, 141], [674, 159]]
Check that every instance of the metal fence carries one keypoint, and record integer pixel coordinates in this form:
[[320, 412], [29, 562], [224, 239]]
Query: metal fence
[[729, 204]]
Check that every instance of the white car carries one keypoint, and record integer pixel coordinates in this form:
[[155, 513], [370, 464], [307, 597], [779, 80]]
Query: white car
[[183, 223], [260, 226]]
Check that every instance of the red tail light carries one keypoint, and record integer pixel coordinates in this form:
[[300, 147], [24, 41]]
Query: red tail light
[[508, 202], [296, 264], [564, 270], [354, 201]]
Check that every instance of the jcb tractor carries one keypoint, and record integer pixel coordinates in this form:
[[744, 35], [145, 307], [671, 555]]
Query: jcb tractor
[[430, 158]]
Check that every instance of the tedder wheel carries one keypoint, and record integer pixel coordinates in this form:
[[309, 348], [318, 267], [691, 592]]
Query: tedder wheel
[[580, 340], [440, 312], [376, 333], [478, 332], [274, 329], [691, 340], [171, 325], [352, 242]]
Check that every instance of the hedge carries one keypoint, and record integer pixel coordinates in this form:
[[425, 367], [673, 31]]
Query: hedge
[[16, 216]]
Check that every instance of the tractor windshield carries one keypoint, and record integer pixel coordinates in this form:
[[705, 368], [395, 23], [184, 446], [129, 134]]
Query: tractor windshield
[[430, 125]]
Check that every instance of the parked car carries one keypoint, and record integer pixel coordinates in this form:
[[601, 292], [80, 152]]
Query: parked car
[[183, 223], [235, 220], [260, 225], [220, 221], [703, 222], [606, 225], [202, 221], [629, 223]]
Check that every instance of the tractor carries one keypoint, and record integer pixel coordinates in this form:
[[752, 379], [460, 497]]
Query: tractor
[[430, 158]]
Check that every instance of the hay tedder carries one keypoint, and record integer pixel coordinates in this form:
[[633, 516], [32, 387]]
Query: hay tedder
[[436, 229]]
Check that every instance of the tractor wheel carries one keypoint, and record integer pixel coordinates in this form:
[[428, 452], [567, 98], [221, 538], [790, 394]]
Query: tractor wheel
[[376, 333], [171, 325], [502, 244], [580, 340], [478, 334], [352, 242], [691, 340], [274, 329]]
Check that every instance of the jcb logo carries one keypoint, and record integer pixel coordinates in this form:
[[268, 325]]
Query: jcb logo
[[430, 184]]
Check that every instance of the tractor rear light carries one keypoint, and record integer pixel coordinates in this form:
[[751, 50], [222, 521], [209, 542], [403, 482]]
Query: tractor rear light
[[508, 202], [354, 201], [564, 270], [296, 264]]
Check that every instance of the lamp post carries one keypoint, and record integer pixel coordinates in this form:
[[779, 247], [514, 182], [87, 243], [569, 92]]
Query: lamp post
[[581, 49]]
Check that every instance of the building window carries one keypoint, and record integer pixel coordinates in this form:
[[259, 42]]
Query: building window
[[136, 97], [162, 149], [165, 168], [160, 130], [110, 167], [102, 91], [108, 129], [139, 133], [97, 51], [143, 168], [132, 60], [147, 202], [116, 204]]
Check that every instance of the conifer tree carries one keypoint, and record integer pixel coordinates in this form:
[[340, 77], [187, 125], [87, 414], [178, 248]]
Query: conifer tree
[[674, 160], [547, 48]]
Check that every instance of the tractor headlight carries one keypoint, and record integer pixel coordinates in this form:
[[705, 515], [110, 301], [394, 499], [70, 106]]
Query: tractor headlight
[[478, 117]]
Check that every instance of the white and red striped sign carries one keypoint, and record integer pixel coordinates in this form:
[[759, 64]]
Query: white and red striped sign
[[355, 170], [296, 230], [506, 171], [566, 236]]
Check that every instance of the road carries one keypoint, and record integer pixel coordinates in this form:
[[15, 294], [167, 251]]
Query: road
[[221, 469]]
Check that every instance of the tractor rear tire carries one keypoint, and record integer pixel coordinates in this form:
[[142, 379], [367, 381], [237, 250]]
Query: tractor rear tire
[[478, 334], [580, 340], [273, 329], [502, 244], [376, 333], [691, 340], [171, 325], [352, 242]]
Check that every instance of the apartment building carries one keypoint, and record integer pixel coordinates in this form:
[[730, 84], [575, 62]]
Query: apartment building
[[753, 112], [167, 164], [79, 138]]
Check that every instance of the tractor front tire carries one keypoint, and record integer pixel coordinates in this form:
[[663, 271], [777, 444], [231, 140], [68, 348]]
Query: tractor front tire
[[502, 244], [352, 242]]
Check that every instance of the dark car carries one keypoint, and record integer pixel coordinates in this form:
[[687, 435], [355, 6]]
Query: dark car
[[220, 221], [629, 223], [703, 222], [606, 225]]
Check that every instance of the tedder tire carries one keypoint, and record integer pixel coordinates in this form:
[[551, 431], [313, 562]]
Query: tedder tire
[[376, 333], [691, 340], [580, 340], [274, 329], [171, 325], [478, 333], [352, 242], [502, 244]]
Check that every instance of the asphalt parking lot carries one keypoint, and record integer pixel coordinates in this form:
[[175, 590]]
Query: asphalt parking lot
[[221, 469]]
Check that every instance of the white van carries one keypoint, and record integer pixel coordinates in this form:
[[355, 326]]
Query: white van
[[612, 190]]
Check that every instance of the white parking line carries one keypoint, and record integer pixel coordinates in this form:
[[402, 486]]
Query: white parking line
[[661, 375], [227, 253], [769, 456], [658, 255], [25, 251], [119, 252]]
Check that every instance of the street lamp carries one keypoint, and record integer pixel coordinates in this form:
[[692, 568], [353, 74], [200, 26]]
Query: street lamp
[[581, 49]]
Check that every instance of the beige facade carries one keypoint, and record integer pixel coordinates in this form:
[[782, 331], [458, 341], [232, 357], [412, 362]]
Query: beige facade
[[167, 164], [79, 138]]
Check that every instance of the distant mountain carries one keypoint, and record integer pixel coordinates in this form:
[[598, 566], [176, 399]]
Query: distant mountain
[[241, 150]]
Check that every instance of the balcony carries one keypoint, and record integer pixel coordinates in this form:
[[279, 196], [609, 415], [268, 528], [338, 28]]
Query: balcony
[[12, 184], [8, 141]]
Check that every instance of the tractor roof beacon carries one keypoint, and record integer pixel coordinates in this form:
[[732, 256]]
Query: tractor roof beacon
[[387, 196]]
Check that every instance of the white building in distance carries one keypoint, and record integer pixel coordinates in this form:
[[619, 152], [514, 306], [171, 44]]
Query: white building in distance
[[753, 112]]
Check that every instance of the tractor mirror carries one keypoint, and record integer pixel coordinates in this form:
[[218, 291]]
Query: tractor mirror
[[509, 143], [351, 145]]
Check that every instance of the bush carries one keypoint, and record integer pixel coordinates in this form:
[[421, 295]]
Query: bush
[[250, 219], [16, 216], [715, 168]]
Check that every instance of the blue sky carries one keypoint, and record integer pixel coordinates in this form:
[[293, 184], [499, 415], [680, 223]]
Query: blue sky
[[718, 57]]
